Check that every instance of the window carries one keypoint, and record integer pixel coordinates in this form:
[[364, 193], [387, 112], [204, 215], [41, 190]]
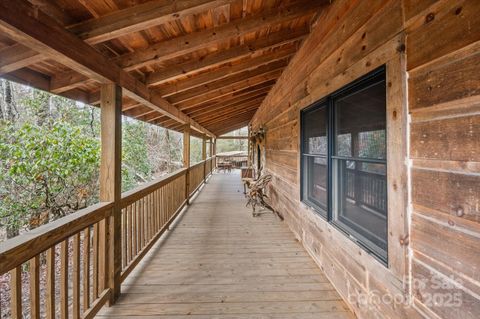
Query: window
[[344, 166]]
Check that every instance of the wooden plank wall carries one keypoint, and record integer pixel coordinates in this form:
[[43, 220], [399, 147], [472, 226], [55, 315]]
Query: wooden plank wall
[[431, 49]]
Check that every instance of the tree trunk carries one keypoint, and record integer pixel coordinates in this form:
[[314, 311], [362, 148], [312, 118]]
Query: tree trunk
[[11, 109], [2, 93], [42, 102], [12, 231]]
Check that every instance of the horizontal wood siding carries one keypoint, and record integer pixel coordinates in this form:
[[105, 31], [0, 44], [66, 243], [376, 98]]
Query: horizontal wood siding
[[443, 50], [439, 44]]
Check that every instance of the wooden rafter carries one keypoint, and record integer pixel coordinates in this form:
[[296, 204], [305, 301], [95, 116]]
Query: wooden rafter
[[210, 112], [113, 25], [37, 30], [195, 41], [233, 96], [233, 112], [175, 72], [233, 83], [222, 106], [224, 72], [166, 50]]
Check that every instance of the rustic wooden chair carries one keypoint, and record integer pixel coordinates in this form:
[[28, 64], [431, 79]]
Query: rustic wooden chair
[[256, 193]]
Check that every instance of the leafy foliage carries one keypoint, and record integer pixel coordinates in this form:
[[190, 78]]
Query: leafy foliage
[[50, 156], [46, 172]]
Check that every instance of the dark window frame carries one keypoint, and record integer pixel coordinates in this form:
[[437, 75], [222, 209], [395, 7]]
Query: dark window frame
[[328, 102]]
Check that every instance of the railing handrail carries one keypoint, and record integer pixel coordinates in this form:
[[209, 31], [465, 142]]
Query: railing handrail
[[17, 250], [136, 193], [200, 163]]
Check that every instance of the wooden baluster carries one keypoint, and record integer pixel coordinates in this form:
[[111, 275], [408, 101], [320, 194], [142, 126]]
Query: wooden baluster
[[130, 232], [157, 220], [64, 279], [124, 237], [16, 292], [135, 230], [102, 255], [149, 217], [50, 284], [162, 207], [144, 224], [35, 287], [76, 276], [86, 269], [95, 253], [141, 221]]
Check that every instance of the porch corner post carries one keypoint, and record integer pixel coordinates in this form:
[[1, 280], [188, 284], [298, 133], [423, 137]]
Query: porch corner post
[[110, 183], [210, 151], [204, 157], [214, 152], [186, 160]]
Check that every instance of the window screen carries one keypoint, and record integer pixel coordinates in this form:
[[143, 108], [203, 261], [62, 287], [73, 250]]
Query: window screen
[[344, 166]]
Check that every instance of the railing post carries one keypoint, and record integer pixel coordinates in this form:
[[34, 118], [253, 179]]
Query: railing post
[[186, 160], [110, 186], [214, 153], [204, 157]]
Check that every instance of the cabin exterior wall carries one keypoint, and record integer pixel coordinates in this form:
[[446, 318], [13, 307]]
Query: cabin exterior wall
[[431, 50]]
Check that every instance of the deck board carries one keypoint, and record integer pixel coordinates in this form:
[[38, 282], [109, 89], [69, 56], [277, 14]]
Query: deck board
[[220, 262]]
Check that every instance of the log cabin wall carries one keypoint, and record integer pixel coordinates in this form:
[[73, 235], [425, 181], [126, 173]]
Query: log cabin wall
[[431, 51]]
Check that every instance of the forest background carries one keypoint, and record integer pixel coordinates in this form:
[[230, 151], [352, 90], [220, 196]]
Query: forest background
[[50, 156]]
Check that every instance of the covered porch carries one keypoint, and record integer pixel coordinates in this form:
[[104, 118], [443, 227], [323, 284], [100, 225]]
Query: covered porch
[[363, 114], [218, 261]]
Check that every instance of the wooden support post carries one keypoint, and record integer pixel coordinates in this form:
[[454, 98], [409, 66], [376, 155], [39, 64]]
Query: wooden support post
[[186, 160], [249, 149], [204, 157], [204, 148], [210, 151], [214, 152], [110, 185]]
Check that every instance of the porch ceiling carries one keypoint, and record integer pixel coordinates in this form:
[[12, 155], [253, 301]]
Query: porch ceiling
[[211, 62]]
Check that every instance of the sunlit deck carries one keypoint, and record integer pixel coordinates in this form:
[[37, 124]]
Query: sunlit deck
[[220, 262]]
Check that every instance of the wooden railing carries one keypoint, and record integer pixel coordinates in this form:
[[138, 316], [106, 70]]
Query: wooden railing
[[196, 176], [72, 249], [368, 189], [70, 256], [146, 214], [235, 161]]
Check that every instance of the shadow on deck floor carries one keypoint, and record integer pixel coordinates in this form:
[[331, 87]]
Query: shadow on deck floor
[[220, 262]]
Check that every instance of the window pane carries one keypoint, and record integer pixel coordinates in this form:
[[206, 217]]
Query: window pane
[[360, 121], [316, 179], [360, 205], [315, 131]]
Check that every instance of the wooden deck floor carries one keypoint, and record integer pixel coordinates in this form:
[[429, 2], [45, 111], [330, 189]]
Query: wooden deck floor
[[220, 262]]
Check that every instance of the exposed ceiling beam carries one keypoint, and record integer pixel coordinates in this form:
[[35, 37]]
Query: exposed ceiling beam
[[192, 106], [220, 107], [200, 115], [233, 120], [237, 82], [232, 124], [113, 25], [175, 72], [141, 17], [139, 112], [169, 49], [16, 57], [233, 113], [195, 41], [23, 23], [232, 127], [224, 72]]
